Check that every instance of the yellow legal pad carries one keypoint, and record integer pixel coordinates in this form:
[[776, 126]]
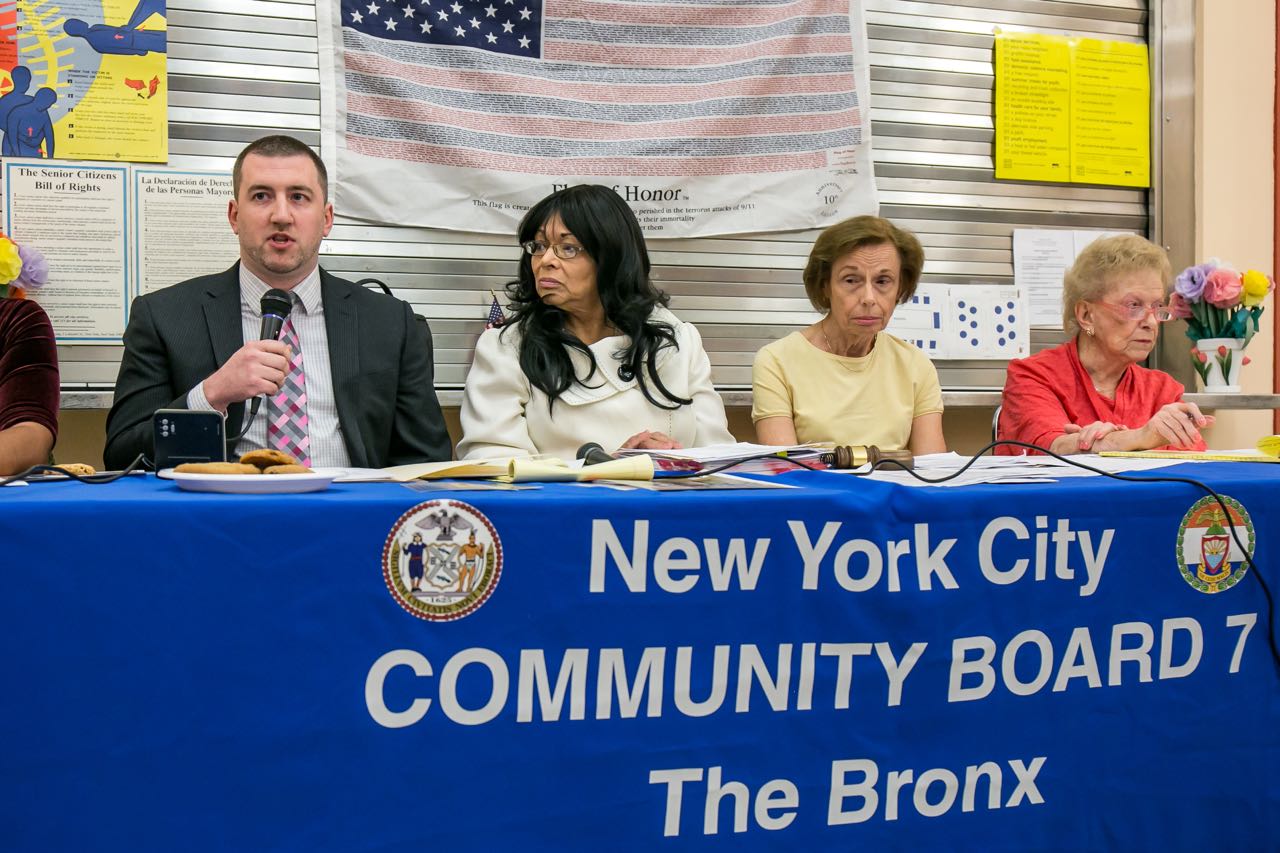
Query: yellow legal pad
[[1207, 455]]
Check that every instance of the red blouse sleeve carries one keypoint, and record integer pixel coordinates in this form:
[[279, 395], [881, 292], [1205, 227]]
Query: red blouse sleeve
[[29, 388], [1033, 409]]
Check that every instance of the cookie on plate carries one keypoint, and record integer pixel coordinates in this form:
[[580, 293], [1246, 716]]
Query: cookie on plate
[[288, 469], [266, 457], [216, 468]]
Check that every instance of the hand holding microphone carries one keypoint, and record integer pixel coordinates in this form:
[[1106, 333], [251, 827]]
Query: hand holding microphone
[[258, 367]]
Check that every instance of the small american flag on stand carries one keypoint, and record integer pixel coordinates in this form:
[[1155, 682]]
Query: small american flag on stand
[[496, 318]]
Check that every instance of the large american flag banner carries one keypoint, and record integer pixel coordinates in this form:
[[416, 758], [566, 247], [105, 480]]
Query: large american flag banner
[[708, 117]]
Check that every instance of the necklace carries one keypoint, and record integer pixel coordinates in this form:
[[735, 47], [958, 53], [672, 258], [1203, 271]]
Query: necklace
[[822, 329]]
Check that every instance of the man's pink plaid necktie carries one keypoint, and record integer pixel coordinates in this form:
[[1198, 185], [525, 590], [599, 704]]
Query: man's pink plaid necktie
[[287, 427]]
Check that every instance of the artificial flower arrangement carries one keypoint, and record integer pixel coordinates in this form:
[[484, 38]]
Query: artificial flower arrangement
[[22, 269], [1218, 302]]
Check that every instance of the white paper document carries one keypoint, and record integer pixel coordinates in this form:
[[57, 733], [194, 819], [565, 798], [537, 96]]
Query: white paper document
[[1041, 257], [1012, 469], [180, 226]]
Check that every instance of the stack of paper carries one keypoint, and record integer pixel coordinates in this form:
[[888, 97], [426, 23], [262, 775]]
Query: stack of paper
[[520, 469]]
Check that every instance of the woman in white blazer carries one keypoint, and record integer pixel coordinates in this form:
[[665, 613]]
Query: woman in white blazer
[[589, 352]]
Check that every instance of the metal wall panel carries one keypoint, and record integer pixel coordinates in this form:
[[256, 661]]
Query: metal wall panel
[[243, 68]]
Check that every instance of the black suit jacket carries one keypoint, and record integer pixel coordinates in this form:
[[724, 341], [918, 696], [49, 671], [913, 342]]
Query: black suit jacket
[[380, 356]]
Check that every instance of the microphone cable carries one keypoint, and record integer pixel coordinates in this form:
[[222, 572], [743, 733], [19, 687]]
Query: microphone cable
[[139, 463]]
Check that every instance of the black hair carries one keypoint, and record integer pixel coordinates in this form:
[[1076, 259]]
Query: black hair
[[607, 229]]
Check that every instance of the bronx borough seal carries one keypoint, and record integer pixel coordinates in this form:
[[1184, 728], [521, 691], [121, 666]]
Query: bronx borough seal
[[1208, 557], [442, 560]]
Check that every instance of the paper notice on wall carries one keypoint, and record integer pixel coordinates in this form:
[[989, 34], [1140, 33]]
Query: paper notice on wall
[[1071, 109], [1032, 107], [965, 321], [180, 227], [1110, 113], [988, 321], [87, 80], [920, 320], [1040, 261], [76, 215], [1040, 257]]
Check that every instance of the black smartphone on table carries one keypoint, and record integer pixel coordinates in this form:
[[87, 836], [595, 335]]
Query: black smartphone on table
[[183, 435]]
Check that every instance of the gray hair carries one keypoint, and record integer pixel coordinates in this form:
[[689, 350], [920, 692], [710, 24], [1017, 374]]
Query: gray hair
[[1102, 261]]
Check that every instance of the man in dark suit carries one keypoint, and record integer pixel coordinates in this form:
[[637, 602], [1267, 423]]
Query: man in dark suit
[[368, 398]]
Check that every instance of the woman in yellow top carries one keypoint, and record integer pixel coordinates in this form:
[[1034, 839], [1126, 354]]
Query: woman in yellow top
[[843, 379]]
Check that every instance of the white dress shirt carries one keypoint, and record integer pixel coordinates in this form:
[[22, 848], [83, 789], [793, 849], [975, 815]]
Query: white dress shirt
[[328, 450]]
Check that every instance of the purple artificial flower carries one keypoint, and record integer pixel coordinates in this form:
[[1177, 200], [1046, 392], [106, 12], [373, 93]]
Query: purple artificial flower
[[35, 269], [1190, 283]]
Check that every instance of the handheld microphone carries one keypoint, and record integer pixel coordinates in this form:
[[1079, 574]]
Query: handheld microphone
[[276, 306], [593, 454]]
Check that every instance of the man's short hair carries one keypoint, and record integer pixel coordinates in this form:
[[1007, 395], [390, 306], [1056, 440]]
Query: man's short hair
[[280, 146]]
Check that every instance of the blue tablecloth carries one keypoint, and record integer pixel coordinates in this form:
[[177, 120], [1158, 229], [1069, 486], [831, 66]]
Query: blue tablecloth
[[1025, 667]]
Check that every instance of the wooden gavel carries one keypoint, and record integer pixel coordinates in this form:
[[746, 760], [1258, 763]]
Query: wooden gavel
[[857, 455]]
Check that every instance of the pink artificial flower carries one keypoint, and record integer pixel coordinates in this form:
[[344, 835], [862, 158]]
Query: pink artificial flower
[[1222, 288], [1178, 307], [1245, 360]]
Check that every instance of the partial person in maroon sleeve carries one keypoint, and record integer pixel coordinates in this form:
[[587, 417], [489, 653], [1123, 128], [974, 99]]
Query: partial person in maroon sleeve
[[28, 386], [1090, 394]]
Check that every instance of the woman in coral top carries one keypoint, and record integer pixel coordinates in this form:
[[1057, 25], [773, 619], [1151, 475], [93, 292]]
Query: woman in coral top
[[1090, 394]]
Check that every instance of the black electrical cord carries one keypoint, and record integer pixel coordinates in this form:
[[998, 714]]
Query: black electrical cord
[[1128, 478], [137, 464]]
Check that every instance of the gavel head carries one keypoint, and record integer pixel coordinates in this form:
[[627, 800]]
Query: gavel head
[[857, 455]]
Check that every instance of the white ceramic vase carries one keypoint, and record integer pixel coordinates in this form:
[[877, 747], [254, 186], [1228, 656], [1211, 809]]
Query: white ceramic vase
[[1223, 358]]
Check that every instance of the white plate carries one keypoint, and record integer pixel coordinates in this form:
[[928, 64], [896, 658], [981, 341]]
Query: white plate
[[250, 484]]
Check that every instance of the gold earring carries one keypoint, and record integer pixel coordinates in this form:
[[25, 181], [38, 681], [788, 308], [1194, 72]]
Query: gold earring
[[1090, 331]]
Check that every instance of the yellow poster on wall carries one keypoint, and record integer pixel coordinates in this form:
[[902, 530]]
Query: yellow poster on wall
[[85, 80], [1110, 113], [1033, 107], [1072, 110]]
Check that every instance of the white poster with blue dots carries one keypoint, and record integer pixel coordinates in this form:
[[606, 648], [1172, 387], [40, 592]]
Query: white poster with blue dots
[[990, 322], [921, 320], [965, 321]]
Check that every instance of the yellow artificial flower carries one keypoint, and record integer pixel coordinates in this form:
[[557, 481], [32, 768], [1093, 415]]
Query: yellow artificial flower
[[1256, 287], [10, 261]]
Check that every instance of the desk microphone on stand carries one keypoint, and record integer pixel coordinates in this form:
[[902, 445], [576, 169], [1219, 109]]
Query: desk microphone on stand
[[593, 454]]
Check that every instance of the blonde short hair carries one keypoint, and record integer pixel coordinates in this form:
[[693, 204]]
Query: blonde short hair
[[843, 237], [1102, 261]]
